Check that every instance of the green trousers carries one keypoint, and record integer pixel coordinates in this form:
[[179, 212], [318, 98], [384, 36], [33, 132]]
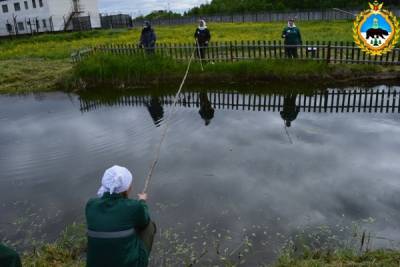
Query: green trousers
[[147, 235]]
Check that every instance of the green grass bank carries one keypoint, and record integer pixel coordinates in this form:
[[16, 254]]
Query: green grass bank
[[40, 63], [69, 250], [104, 70]]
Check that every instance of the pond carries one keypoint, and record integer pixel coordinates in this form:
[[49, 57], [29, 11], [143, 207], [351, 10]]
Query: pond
[[235, 163]]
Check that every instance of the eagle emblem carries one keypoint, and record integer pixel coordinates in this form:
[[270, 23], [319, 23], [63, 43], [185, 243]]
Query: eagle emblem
[[376, 30]]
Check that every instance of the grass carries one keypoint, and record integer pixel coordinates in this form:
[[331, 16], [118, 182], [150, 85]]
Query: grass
[[39, 63], [342, 258], [122, 72], [32, 75], [69, 250], [60, 46]]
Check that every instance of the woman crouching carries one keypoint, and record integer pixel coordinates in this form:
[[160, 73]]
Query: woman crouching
[[120, 232]]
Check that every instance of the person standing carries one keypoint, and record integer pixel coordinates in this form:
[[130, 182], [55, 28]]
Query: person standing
[[203, 37], [148, 38], [292, 37], [120, 232]]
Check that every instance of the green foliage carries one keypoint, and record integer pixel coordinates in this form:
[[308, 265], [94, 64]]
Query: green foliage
[[243, 6], [128, 71], [106, 69], [68, 250], [161, 14]]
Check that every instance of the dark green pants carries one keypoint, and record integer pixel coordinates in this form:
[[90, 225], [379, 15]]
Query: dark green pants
[[147, 235], [8, 257]]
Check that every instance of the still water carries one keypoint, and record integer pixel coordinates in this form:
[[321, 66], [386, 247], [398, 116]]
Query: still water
[[248, 163]]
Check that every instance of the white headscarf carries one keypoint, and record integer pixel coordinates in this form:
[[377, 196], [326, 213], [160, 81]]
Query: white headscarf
[[202, 22], [115, 180]]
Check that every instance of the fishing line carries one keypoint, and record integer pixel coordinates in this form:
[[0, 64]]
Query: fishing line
[[198, 52], [288, 135], [344, 11], [164, 134]]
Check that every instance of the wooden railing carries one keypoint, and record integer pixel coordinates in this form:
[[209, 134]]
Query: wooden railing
[[330, 52]]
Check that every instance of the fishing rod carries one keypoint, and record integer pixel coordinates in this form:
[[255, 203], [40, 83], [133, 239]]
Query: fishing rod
[[167, 121]]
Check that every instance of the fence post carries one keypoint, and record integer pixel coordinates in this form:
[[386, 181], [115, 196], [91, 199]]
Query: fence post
[[231, 50], [328, 53]]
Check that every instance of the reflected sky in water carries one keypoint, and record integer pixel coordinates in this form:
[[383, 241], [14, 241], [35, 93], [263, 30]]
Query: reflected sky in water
[[232, 169]]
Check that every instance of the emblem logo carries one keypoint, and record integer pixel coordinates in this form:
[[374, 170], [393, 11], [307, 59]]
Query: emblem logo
[[376, 30]]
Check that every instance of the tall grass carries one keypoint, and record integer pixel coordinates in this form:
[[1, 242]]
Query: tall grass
[[116, 69], [125, 71]]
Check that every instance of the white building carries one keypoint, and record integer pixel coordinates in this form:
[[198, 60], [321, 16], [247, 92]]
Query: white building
[[30, 16]]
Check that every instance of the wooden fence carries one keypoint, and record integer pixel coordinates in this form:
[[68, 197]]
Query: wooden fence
[[301, 15], [330, 52], [330, 101]]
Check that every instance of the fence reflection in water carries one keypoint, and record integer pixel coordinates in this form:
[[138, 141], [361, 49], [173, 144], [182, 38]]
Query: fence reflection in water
[[324, 101]]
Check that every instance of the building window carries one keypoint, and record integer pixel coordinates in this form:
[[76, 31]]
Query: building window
[[41, 3], [5, 8], [26, 4], [17, 6], [34, 3], [44, 23], [21, 26]]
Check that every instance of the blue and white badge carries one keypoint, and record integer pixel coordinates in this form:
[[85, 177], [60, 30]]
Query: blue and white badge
[[376, 30]]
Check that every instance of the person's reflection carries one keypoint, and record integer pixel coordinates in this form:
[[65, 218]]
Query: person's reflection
[[156, 110], [290, 110], [206, 110]]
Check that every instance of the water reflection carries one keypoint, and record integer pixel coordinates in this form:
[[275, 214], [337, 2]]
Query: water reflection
[[156, 110], [289, 105], [206, 110], [290, 109], [239, 173]]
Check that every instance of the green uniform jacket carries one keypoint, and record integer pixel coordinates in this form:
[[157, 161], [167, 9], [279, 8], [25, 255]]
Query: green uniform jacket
[[8, 257], [114, 213], [292, 36]]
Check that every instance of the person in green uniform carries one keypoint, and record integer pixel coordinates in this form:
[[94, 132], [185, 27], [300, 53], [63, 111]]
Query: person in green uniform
[[8, 257], [120, 232], [292, 37]]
